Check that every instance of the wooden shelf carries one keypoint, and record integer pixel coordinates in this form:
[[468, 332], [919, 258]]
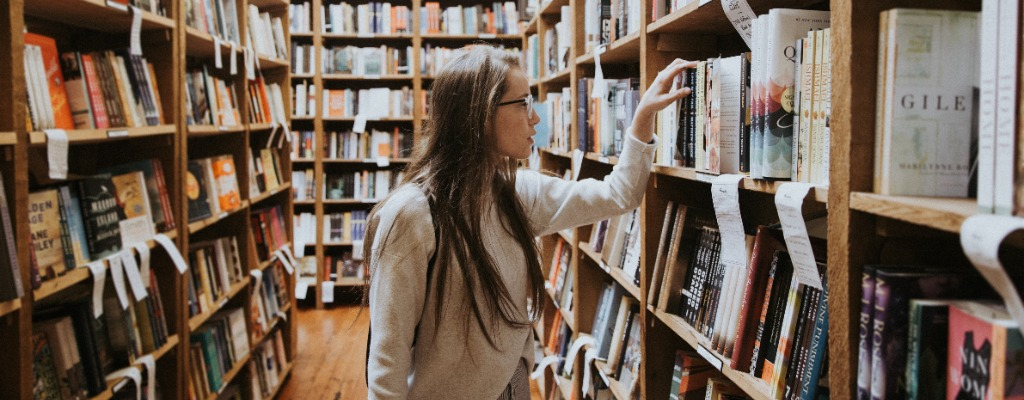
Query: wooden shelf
[[303, 76], [559, 78], [618, 389], [343, 243], [268, 194], [709, 18], [86, 13], [84, 136], [381, 119], [304, 202], [196, 321], [532, 26], [617, 274], [78, 275], [396, 36], [482, 36], [201, 45], [230, 375], [623, 51], [372, 78], [10, 306], [272, 63], [262, 4], [303, 160], [753, 387], [365, 161], [284, 375], [8, 138], [553, 7], [213, 130], [172, 342], [819, 194], [347, 282], [271, 326], [610, 160], [556, 153], [302, 118], [197, 226], [261, 127], [945, 214], [301, 35], [350, 201]]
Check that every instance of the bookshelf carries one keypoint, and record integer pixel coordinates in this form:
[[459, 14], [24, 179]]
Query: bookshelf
[[324, 167], [172, 47]]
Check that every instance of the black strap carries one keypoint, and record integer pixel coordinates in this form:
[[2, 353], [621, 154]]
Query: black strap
[[430, 273]]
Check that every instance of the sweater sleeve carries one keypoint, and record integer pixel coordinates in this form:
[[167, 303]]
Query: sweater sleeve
[[401, 250], [554, 204]]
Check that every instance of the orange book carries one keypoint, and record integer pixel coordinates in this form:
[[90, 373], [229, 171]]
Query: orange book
[[54, 78], [262, 92], [336, 102], [227, 183]]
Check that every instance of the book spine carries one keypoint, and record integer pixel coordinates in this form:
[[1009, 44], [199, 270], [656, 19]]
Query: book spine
[[817, 350], [867, 318]]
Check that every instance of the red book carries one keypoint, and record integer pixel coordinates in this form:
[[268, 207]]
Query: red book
[[54, 79], [92, 83], [766, 243], [984, 350]]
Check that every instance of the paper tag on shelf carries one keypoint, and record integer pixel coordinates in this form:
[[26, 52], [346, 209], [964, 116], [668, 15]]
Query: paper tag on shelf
[[280, 140], [57, 153], [980, 237], [300, 246], [250, 67], [725, 195], [270, 137], [360, 124], [364, 35], [117, 5], [708, 355], [217, 63], [131, 373], [600, 85], [173, 251], [301, 289], [118, 133], [588, 360], [383, 162], [257, 276], [742, 18], [543, 363], [150, 364], [357, 249], [135, 39], [98, 270], [282, 316], [577, 163], [117, 274], [143, 251], [285, 262], [789, 200], [488, 36], [327, 291], [291, 257], [233, 60], [131, 269], [582, 341]]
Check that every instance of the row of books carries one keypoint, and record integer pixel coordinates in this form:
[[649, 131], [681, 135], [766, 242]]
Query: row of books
[[11, 286], [605, 21], [558, 342], [904, 310], [73, 352], [214, 349], [268, 303], [210, 100], [616, 332], [366, 61], [342, 267], [361, 185], [499, 18], [347, 103], [268, 362], [303, 184], [603, 121], [661, 8], [216, 267], [561, 276], [89, 219], [434, 58], [214, 17], [617, 239], [76, 90], [216, 187], [690, 376], [304, 228], [266, 103], [531, 57], [303, 144], [556, 116], [266, 34], [371, 145], [348, 226], [558, 43], [269, 232], [265, 171], [364, 19], [300, 18]]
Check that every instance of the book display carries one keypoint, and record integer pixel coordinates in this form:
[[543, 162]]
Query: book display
[[137, 138], [361, 75]]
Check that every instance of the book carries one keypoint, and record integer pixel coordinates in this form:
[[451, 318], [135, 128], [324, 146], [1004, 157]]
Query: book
[[45, 227], [224, 175], [10, 279], [985, 346], [58, 95], [197, 192], [926, 348], [133, 200]]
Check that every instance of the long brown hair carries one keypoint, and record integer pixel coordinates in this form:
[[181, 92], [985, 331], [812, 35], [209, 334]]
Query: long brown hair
[[461, 174]]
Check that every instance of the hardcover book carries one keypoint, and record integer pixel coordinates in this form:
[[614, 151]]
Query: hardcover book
[[133, 200], [985, 349], [227, 182], [196, 192], [45, 225]]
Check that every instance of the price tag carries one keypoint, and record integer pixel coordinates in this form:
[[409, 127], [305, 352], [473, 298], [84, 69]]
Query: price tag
[[360, 124], [588, 360], [131, 269], [488, 36], [373, 76], [301, 289], [543, 363], [57, 153], [742, 18], [117, 273], [600, 85], [131, 373], [733, 256], [150, 364], [300, 246], [135, 40], [257, 276], [120, 133], [383, 162], [285, 262], [577, 163], [789, 200], [291, 257], [250, 68], [143, 251], [118, 5], [603, 159], [715, 361], [233, 60], [327, 291], [357, 249], [270, 137], [217, 63], [173, 251], [98, 270], [980, 237]]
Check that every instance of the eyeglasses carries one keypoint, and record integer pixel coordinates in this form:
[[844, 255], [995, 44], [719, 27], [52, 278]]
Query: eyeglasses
[[528, 100]]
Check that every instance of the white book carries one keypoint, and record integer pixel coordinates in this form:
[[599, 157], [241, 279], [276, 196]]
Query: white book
[[987, 104], [757, 88], [300, 102], [1006, 105], [730, 123]]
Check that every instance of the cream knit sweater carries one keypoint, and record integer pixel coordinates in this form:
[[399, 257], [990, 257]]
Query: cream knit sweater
[[458, 363]]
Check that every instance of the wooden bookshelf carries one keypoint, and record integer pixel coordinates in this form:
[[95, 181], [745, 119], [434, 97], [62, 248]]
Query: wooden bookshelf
[[9, 306], [619, 390], [195, 227], [85, 136], [350, 77], [365, 161], [85, 13], [212, 130], [281, 378], [196, 321], [230, 375], [617, 274], [622, 50], [113, 386], [944, 214], [8, 138], [271, 193]]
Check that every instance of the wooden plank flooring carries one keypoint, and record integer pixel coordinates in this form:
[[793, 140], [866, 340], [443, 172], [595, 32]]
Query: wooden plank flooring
[[332, 354]]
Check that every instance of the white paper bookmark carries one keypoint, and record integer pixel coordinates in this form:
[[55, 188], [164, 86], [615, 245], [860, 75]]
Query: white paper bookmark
[[144, 257], [173, 251], [588, 359], [250, 67], [726, 197], [131, 269], [57, 153], [257, 276], [216, 53], [135, 46], [98, 270], [742, 18], [300, 246], [577, 163], [291, 257], [543, 363], [360, 124], [233, 60], [117, 274], [980, 236], [357, 249], [789, 200], [584, 340], [150, 364], [383, 162], [600, 84], [327, 291], [131, 373], [301, 289], [285, 262]]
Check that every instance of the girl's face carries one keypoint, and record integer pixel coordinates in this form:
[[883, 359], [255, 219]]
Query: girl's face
[[512, 127]]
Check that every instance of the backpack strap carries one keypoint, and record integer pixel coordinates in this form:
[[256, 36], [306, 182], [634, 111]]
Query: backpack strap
[[430, 274]]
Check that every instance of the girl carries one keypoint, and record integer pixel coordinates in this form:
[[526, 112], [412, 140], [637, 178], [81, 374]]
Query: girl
[[452, 251]]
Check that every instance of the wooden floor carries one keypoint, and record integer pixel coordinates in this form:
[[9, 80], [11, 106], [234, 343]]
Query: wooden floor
[[331, 357]]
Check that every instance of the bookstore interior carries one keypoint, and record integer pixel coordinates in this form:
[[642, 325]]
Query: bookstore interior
[[134, 245]]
